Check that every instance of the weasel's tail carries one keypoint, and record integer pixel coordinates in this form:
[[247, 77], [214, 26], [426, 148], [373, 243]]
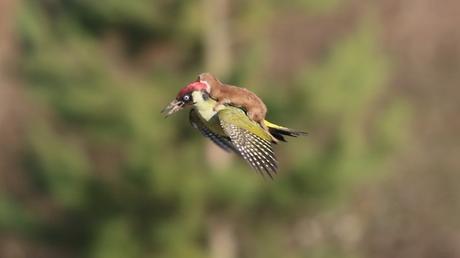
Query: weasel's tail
[[279, 131]]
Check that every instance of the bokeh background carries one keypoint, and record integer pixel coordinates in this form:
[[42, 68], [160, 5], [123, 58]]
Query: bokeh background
[[89, 167]]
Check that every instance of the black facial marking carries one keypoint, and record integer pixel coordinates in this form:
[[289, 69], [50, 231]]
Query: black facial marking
[[205, 95]]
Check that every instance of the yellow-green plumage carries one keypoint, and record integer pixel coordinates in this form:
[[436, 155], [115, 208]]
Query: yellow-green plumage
[[207, 111]]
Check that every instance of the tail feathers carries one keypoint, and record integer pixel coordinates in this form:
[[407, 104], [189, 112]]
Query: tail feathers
[[279, 131]]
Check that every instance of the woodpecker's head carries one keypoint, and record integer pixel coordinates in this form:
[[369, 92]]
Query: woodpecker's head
[[184, 98]]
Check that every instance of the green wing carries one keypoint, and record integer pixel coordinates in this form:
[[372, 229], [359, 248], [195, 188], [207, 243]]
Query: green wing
[[249, 139], [239, 118], [220, 140]]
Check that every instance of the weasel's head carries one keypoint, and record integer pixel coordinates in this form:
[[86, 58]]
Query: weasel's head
[[209, 80]]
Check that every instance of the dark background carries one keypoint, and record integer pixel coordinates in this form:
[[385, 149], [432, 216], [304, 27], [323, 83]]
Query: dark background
[[89, 167]]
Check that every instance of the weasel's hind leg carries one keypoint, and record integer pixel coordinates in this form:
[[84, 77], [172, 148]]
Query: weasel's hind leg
[[259, 118]]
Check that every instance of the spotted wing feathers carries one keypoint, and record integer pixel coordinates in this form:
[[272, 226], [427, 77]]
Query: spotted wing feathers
[[257, 152]]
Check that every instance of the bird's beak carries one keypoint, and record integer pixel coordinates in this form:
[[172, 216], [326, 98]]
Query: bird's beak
[[172, 107]]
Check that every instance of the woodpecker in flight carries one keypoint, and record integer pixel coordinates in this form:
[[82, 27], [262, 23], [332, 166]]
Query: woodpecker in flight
[[230, 127]]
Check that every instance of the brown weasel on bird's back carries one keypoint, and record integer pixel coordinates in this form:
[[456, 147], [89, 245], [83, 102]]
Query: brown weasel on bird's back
[[236, 96]]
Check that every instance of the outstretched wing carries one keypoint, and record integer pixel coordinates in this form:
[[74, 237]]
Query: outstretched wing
[[257, 151], [221, 141]]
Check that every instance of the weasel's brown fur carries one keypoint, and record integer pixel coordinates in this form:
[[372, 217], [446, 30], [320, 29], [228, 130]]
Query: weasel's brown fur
[[236, 96]]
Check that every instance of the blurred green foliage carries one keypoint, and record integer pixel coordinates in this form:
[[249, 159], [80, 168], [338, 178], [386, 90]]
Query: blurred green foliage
[[127, 183]]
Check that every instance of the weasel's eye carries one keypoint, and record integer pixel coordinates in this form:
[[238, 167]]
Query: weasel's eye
[[186, 98]]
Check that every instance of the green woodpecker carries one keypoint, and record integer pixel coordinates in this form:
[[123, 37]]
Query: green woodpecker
[[230, 128]]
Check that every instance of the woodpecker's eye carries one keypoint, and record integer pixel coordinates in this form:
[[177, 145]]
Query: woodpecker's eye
[[186, 98]]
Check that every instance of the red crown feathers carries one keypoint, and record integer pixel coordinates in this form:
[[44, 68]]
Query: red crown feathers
[[190, 88]]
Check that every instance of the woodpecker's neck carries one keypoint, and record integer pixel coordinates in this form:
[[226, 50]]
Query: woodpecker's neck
[[205, 107]]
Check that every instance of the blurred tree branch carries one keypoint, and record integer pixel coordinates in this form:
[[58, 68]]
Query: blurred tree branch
[[11, 102]]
